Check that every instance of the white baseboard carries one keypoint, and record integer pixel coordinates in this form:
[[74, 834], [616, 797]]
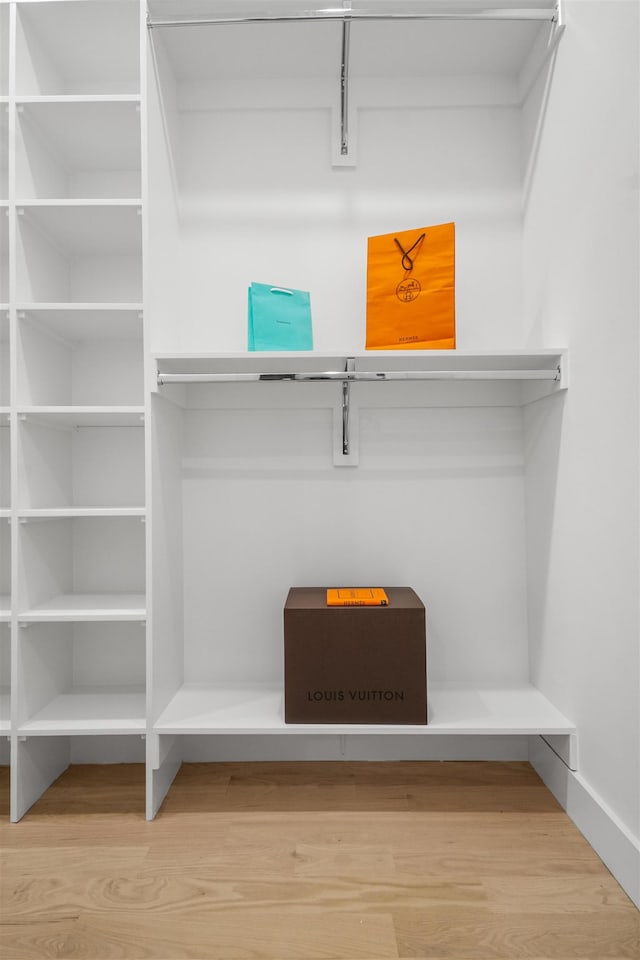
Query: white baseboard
[[618, 849]]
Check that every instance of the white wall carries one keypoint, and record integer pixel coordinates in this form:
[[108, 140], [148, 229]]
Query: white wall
[[581, 255]]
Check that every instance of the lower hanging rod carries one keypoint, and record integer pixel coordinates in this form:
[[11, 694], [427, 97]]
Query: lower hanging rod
[[362, 376]]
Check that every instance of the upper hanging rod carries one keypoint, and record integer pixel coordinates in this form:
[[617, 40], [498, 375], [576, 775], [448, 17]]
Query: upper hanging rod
[[517, 13], [354, 376]]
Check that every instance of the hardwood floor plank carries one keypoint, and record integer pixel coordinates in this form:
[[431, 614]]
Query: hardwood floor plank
[[262, 936], [554, 936], [573, 894], [54, 897], [343, 859], [26, 861]]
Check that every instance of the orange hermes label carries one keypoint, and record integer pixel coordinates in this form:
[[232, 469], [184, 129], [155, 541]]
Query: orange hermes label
[[356, 597], [411, 290]]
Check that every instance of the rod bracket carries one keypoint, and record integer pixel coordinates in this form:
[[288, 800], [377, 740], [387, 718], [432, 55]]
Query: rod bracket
[[345, 153], [345, 449]]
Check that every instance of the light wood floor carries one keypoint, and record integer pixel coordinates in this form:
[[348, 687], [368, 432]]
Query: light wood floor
[[308, 861]]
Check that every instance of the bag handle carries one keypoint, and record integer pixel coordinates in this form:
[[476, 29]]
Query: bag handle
[[405, 253], [289, 293]]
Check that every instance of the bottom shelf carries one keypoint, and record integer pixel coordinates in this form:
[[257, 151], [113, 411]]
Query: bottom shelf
[[90, 711], [461, 709]]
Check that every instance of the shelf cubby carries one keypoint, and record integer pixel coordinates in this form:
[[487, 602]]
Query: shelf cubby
[[4, 152], [93, 467], [81, 568], [5, 391], [93, 681], [77, 48], [5, 568], [4, 52], [82, 251], [5, 674], [78, 148], [5, 464], [4, 255], [75, 355]]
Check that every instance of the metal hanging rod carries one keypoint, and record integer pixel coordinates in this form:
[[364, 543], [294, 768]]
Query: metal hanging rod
[[550, 15], [362, 376]]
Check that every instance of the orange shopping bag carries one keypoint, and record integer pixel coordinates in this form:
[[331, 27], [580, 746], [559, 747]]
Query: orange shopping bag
[[411, 290]]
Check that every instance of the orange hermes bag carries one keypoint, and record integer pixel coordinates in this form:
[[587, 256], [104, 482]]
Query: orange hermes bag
[[411, 290]]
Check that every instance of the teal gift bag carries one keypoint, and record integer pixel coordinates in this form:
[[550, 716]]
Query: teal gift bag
[[279, 318]]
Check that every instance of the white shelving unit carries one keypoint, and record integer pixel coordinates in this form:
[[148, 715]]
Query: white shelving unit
[[5, 398], [157, 470], [75, 489]]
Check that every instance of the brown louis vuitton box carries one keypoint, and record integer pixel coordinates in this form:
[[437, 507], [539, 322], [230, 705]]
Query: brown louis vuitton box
[[354, 664]]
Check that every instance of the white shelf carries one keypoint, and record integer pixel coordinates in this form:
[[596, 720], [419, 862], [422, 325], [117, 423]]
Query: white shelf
[[512, 377], [84, 607], [90, 711], [65, 204], [448, 362], [453, 709], [50, 513], [70, 99], [94, 416], [89, 307]]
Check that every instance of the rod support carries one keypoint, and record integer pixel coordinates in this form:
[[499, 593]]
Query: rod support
[[346, 400], [344, 88]]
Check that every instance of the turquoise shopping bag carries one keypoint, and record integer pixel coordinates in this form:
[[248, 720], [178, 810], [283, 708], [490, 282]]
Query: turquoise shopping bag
[[279, 318]]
